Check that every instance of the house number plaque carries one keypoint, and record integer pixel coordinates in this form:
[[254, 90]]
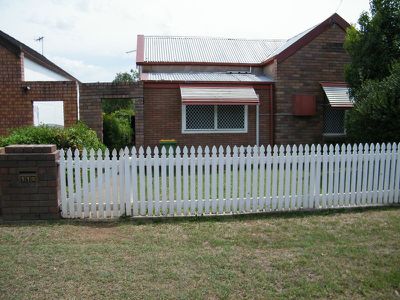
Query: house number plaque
[[27, 178]]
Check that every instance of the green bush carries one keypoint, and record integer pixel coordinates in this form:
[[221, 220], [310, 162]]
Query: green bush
[[375, 116], [117, 130], [78, 136]]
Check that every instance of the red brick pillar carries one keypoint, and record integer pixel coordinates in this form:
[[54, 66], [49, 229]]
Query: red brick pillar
[[29, 182]]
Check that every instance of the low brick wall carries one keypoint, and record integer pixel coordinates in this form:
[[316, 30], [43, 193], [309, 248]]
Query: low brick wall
[[29, 182]]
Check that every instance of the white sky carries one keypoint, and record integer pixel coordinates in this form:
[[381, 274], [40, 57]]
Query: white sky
[[90, 38]]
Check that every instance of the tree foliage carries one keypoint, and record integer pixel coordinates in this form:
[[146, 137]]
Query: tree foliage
[[374, 74], [376, 114], [130, 76], [375, 46]]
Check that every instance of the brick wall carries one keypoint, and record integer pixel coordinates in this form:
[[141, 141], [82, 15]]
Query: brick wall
[[163, 120], [91, 95], [16, 103], [301, 73]]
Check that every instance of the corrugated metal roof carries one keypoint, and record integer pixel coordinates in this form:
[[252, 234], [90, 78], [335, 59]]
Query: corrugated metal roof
[[338, 95], [218, 95], [205, 76], [208, 50], [290, 42]]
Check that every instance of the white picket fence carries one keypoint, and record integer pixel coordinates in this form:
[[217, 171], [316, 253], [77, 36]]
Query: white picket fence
[[227, 181]]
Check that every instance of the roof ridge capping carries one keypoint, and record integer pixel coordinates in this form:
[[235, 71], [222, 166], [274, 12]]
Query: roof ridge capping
[[207, 38]]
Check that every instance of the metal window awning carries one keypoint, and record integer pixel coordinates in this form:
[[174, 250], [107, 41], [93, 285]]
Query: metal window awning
[[337, 94], [222, 95]]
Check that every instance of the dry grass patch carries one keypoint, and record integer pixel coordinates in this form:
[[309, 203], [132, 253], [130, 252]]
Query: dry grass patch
[[348, 254]]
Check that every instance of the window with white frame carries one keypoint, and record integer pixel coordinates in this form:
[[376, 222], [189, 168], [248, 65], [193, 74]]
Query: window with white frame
[[214, 118]]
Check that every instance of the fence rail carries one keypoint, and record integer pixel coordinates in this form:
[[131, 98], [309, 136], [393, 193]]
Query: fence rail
[[236, 180]]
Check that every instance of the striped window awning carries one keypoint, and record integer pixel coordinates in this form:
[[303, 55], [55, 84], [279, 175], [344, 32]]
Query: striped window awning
[[337, 94], [222, 95]]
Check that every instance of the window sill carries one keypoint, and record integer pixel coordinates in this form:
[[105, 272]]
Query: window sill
[[212, 131]]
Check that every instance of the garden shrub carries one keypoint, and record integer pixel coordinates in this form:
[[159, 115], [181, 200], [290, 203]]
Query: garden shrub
[[117, 130], [78, 136]]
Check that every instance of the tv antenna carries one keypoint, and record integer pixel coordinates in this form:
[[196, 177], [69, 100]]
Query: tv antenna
[[127, 52], [340, 4], [40, 39]]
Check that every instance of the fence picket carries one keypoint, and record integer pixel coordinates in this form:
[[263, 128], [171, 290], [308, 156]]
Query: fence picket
[[371, 173], [214, 185], [325, 177], [376, 174], [77, 183], [107, 183], [228, 162], [288, 160], [127, 174], [299, 188], [164, 180], [388, 156], [171, 180], [255, 177], [149, 181], [114, 172], [354, 155], [178, 170], [134, 182], [100, 185], [207, 180], [248, 162], [221, 182], [156, 183], [397, 177], [331, 172], [261, 189], [241, 178], [192, 181], [359, 176], [199, 181], [63, 183], [317, 184], [235, 162], [392, 173]]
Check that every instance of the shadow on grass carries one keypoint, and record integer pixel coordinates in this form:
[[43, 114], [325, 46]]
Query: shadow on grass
[[138, 221]]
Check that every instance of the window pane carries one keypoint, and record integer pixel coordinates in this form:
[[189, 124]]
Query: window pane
[[231, 117], [333, 120], [200, 117]]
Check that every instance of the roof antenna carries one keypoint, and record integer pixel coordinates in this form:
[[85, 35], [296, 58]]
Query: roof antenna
[[340, 4], [40, 39], [127, 52]]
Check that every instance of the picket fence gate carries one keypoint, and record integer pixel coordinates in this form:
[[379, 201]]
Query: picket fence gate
[[228, 180]]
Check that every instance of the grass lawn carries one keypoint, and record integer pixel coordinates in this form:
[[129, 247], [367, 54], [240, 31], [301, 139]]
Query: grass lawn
[[334, 254]]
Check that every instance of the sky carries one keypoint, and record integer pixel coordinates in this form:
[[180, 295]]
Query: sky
[[90, 38]]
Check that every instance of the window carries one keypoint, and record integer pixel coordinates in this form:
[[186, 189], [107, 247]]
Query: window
[[334, 121], [48, 113], [214, 118]]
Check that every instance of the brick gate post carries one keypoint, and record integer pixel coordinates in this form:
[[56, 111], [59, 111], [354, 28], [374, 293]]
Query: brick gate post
[[29, 182]]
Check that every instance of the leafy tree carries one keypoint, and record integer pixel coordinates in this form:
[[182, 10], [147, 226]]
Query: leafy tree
[[374, 74], [375, 116], [130, 76], [376, 45]]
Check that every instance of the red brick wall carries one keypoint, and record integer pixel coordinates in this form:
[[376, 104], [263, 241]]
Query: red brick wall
[[162, 120], [16, 104], [91, 95], [300, 74]]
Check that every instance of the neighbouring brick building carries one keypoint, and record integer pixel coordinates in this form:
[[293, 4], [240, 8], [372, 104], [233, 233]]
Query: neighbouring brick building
[[33, 89], [214, 91]]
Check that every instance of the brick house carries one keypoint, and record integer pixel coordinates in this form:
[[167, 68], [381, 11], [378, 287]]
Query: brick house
[[33, 90], [216, 91]]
